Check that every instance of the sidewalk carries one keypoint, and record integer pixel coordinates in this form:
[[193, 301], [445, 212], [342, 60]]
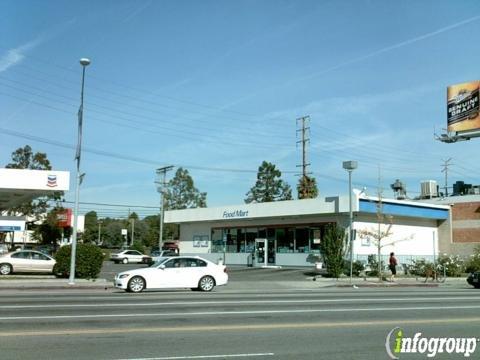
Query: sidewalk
[[29, 282]]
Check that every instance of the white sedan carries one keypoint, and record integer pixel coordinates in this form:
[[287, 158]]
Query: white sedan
[[129, 256], [175, 272], [26, 261]]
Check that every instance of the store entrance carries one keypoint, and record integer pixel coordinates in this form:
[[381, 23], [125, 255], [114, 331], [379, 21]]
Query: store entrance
[[260, 250], [264, 252]]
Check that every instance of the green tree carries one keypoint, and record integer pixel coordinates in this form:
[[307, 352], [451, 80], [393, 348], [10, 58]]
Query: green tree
[[181, 192], [269, 186], [48, 232], [112, 233], [24, 158], [333, 247], [90, 235], [307, 187]]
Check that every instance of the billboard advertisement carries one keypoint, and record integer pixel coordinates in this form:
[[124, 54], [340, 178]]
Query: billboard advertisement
[[463, 107], [64, 218]]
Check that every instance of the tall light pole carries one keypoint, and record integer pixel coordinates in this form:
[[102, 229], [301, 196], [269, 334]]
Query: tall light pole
[[161, 189], [350, 166], [99, 232], [84, 62]]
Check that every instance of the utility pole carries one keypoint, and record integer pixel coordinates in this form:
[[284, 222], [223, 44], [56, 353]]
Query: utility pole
[[161, 188], [305, 131], [132, 220], [305, 139], [99, 232], [446, 164]]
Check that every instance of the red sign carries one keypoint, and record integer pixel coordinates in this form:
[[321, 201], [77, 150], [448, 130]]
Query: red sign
[[64, 218]]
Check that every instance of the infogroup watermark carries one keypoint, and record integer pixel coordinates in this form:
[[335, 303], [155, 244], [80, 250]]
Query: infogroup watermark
[[398, 344]]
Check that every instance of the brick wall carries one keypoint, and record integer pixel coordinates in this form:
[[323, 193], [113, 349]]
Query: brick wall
[[466, 211]]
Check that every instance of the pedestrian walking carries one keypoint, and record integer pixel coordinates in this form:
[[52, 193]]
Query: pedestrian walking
[[392, 264]]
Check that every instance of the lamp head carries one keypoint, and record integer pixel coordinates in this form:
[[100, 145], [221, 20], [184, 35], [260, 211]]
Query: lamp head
[[350, 165], [84, 61]]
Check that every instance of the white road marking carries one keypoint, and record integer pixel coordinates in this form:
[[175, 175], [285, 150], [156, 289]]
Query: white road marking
[[220, 313], [203, 356], [240, 302]]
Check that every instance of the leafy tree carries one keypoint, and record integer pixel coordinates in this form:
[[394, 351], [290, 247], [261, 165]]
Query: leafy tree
[[269, 186], [181, 192], [307, 187], [333, 247], [24, 158], [90, 234], [112, 233], [48, 232]]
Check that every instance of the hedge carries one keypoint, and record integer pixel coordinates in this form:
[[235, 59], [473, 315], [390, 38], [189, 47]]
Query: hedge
[[89, 260]]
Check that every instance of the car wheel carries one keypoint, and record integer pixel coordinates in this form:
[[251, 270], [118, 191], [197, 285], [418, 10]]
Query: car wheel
[[5, 269], [136, 284], [206, 283], [476, 286], [125, 261]]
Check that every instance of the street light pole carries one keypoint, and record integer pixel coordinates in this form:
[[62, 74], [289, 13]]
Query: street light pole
[[350, 166], [84, 62], [99, 232], [161, 188]]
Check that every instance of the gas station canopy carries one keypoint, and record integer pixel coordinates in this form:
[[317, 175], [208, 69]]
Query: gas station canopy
[[18, 185]]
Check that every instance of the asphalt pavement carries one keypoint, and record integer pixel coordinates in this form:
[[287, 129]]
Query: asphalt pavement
[[317, 323], [240, 278]]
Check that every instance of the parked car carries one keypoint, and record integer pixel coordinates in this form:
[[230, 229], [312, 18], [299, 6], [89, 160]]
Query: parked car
[[130, 256], [27, 261], [45, 249], [474, 279], [3, 249], [174, 272]]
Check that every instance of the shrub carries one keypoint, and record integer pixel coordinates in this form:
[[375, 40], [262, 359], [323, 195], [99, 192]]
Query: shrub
[[452, 264], [89, 260], [473, 262], [332, 249], [357, 267], [137, 245], [373, 265]]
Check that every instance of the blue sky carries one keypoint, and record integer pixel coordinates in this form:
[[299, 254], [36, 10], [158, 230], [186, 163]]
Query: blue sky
[[217, 86]]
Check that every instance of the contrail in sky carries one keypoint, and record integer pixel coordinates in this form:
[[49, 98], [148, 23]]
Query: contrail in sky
[[358, 59]]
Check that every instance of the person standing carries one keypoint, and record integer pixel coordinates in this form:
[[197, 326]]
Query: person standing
[[392, 264]]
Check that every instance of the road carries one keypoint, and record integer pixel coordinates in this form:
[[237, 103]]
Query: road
[[257, 324]]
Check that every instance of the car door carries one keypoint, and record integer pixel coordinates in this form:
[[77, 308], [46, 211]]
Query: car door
[[196, 268], [41, 262], [134, 256], [21, 261], [174, 270]]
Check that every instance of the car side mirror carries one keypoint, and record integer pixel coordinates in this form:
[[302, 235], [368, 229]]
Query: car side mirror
[[162, 267]]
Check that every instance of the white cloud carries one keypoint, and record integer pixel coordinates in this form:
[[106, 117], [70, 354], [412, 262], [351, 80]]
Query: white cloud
[[15, 56]]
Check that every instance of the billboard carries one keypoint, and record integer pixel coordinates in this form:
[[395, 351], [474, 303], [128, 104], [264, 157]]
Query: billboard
[[64, 218], [463, 107]]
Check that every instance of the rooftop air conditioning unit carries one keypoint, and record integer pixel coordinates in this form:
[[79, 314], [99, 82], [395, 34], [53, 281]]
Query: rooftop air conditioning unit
[[429, 189]]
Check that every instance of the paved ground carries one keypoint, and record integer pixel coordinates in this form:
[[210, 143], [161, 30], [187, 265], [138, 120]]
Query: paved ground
[[240, 278], [316, 323]]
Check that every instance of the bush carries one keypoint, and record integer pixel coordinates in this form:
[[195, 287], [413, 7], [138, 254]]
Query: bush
[[332, 249], [89, 260], [473, 262], [357, 267], [452, 264], [373, 265], [137, 245]]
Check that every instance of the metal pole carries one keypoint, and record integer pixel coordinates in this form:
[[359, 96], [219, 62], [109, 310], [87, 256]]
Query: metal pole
[[78, 176], [99, 232], [133, 229], [350, 232], [162, 201], [162, 186]]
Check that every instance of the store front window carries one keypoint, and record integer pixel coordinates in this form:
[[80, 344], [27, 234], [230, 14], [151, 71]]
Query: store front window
[[306, 239]]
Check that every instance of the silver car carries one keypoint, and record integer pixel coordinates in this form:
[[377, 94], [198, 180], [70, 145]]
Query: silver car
[[27, 261]]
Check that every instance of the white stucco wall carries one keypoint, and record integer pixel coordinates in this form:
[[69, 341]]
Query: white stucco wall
[[407, 239]]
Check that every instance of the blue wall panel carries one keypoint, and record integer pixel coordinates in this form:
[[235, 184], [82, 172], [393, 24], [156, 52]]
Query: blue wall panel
[[404, 210]]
